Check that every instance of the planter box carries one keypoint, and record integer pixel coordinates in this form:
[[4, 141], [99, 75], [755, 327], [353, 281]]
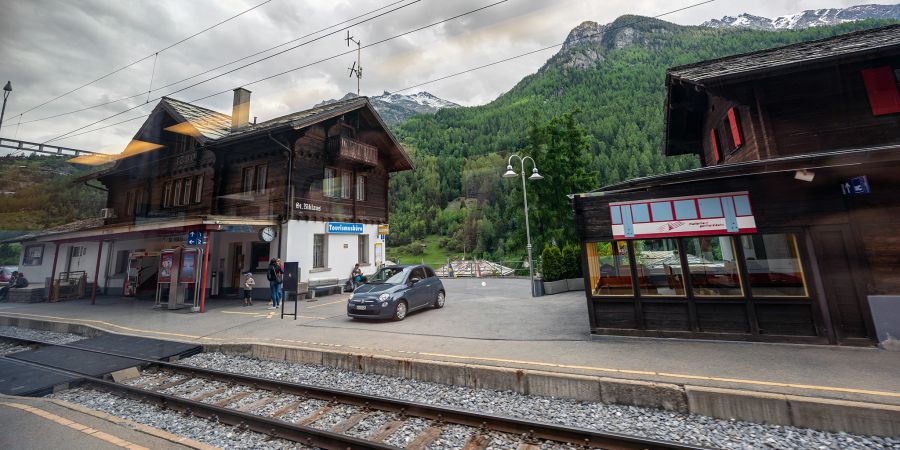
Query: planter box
[[555, 287], [575, 284]]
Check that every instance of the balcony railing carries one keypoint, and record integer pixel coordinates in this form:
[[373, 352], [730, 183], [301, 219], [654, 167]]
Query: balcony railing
[[348, 149]]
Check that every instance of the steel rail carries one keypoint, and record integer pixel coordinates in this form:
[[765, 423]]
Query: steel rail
[[529, 430]]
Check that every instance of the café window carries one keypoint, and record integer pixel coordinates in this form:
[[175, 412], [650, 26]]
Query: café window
[[713, 266], [363, 249], [773, 265], [609, 268], [33, 255], [320, 251], [658, 267]]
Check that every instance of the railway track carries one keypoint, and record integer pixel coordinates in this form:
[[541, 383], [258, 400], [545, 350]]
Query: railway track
[[331, 418]]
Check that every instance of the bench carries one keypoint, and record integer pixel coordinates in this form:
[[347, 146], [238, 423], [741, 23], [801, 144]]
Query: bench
[[325, 286]]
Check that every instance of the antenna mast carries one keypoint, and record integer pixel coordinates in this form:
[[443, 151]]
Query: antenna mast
[[357, 65]]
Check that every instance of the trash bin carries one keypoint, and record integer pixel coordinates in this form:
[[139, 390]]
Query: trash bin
[[538, 287]]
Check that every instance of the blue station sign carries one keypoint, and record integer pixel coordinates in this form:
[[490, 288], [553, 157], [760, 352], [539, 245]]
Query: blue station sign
[[343, 228]]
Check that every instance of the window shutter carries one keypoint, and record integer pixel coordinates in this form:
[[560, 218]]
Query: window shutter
[[735, 128], [714, 143], [881, 86]]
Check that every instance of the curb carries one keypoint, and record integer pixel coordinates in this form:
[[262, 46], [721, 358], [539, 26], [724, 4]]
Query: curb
[[862, 418]]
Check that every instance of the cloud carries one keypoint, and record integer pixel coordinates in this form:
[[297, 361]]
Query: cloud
[[52, 46]]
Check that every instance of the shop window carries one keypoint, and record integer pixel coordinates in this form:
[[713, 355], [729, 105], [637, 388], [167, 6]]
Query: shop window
[[713, 266], [33, 255], [363, 248], [360, 188], [773, 265], [320, 251], [609, 268], [658, 267], [259, 255]]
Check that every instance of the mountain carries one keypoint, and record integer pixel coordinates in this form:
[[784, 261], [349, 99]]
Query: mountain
[[591, 116], [395, 108], [808, 18]]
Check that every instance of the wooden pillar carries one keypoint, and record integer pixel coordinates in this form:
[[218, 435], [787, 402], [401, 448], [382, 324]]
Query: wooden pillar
[[53, 271], [96, 272], [205, 273]]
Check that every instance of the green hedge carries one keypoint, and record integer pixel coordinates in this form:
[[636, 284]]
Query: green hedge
[[560, 264]]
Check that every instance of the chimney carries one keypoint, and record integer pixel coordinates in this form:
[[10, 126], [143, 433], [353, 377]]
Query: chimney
[[240, 112]]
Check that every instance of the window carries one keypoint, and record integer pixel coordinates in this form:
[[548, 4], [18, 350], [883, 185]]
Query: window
[[616, 215], [640, 213], [129, 203], [710, 207], [417, 273], [661, 211], [363, 248], [140, 205], [261, 179], [176, 193], [183, 143], [186, 194], [429, 273], [259, 256], [247, 179], [346, 184], [198, 188], [685, 209], [773, 265], [658, 267], [609, 268], [121, 262], [330, 183], [33, 255], [713, 266], [167, 195], [320, 251], [360, 188]]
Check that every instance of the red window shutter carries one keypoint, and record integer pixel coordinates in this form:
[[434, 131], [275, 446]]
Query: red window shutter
[[735, 129], [714, 144], [881, 86]]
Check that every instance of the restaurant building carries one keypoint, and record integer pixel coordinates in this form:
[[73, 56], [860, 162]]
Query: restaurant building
[[788, 230], [199, 198]]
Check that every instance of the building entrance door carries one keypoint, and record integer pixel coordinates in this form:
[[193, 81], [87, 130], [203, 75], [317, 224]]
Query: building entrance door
[[842, 279], [237, 264]]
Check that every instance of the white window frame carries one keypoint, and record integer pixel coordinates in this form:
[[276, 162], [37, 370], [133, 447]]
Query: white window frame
[[362, 247], [346, 183], [167, 195], [361, 183], [322, 259], [198, 188]]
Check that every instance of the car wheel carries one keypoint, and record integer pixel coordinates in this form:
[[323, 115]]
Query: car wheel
[[400, 311], [439, 300]]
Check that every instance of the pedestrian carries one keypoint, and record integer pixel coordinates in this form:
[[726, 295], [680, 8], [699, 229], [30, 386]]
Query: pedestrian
[[4, 291], [249, 282], [355, 277], [275, 274], [280, 276]]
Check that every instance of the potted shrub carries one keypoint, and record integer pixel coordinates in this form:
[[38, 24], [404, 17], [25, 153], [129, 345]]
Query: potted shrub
[[553, 270], [571, 256]]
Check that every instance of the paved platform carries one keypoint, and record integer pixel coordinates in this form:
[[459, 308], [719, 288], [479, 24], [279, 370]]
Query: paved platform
[[43, 424], [500, 325]]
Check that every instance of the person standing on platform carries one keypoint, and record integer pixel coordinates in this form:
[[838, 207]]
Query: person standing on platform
[[249, 282], [275, 274]]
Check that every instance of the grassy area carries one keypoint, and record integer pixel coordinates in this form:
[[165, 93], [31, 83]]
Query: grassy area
[[434, 255]]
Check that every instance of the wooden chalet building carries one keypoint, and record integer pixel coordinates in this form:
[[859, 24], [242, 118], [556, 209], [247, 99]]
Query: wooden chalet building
[[198, 198], [788, 230]]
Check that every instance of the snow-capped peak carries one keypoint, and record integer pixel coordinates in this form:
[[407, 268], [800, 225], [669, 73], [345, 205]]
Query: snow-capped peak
[[808, 18]]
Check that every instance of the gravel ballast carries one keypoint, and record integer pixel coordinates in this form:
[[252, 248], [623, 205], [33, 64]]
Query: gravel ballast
[[646, 422], [40, 335]]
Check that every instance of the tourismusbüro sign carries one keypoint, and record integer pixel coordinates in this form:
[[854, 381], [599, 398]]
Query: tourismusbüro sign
[[698, 215], [343, 228]]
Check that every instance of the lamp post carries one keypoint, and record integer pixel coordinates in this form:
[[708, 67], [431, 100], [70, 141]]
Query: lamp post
[[6, 91], [510, 173]]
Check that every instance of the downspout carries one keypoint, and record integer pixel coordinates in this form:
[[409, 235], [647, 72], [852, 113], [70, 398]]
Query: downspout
[[287, 188]]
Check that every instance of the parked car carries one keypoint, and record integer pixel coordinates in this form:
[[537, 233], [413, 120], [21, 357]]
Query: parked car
[[395, 291], [6, 273]]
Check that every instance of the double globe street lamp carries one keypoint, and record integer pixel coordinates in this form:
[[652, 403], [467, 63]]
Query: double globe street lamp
[[510, 173]]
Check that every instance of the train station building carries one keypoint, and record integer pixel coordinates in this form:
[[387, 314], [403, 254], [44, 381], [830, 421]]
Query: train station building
[[788, 230], [199, 198]]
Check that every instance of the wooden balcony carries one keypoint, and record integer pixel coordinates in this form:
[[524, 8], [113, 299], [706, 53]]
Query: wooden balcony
[[348, 149]]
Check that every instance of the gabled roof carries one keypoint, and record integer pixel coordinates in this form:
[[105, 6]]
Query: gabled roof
[[211, 125], [301, 118], [781, 58]]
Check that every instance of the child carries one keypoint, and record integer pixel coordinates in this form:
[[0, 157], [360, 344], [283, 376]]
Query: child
[[249, 282]]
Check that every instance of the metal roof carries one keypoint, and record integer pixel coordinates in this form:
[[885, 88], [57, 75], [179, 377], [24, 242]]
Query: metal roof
[[210, 124], [855, 43]]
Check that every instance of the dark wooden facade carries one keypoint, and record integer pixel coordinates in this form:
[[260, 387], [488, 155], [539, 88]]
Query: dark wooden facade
[[174, 171], [815, 115]]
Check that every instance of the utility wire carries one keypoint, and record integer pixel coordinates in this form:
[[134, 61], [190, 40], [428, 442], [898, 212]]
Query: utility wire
[[143, 59], [64, 135], [217, 67]]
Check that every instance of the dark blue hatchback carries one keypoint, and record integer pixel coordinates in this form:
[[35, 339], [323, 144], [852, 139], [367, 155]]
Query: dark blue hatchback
[[395, 291]]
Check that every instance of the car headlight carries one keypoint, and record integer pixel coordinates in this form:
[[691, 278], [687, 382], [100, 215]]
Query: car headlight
[[383, 304], [384, 297]]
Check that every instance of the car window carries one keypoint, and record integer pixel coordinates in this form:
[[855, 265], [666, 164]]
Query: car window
[[418, 272], [428, 272], [390, 275]]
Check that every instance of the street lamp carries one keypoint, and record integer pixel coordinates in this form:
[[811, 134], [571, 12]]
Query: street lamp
[[510, 173], [6, 91]]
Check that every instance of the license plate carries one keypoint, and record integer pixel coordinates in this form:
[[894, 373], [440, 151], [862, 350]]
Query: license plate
[[361, 307]]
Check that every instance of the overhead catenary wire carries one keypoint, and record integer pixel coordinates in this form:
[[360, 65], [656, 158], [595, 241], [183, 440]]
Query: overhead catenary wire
[[64, 135], [244, 58], [142, 59]]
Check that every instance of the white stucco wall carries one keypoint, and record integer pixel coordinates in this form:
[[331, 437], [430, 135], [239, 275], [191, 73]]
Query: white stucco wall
[[299, 247]]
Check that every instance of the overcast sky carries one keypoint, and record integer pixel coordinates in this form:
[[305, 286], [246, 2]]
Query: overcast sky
[[48, 47]]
